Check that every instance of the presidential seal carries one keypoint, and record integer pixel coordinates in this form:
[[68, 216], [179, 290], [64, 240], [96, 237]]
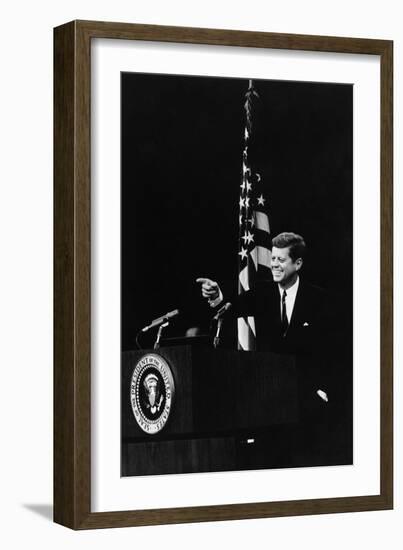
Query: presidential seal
[[151, 392]]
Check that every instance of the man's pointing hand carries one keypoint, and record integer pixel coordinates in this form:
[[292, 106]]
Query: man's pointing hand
[[209, 288]]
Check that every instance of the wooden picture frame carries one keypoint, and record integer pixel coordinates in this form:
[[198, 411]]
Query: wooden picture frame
[[72, 272]]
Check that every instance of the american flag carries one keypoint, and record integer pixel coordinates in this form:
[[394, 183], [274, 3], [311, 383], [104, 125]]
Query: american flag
[[254, 230]]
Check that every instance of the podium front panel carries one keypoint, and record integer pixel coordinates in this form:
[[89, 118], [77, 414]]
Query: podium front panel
[[224, 405]]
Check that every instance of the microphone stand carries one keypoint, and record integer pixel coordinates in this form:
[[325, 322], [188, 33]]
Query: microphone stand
[[157, 341], [216, 341], [219, 317]]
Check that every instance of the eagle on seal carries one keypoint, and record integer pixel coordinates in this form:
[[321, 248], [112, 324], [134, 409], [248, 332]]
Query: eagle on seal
[[154, 398]]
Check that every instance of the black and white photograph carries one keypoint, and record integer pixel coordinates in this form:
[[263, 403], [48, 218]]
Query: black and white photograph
[[236, 274], [201, 267]]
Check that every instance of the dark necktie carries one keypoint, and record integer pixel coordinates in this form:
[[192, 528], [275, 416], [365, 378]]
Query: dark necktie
[[284, 320]]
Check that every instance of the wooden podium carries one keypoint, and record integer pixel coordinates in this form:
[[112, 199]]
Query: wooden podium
[[227, 411]]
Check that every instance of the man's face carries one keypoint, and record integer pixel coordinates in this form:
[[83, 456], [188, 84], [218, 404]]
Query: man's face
[[283, 267]]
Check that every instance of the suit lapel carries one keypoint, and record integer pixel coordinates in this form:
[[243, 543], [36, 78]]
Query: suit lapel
[[276, 300], [299, 308]]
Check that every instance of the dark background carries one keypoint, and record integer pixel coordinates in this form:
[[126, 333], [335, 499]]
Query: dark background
[[182, 143]]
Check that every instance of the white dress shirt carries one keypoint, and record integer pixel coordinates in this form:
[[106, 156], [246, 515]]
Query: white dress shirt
[[289, 299]]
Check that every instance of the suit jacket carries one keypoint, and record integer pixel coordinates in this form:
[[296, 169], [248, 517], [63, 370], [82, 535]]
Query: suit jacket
[[309, 336], [309, 326]]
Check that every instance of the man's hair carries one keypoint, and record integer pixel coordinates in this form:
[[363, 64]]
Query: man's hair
[[294, 242]]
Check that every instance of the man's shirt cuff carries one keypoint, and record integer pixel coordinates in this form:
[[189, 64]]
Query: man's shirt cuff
[[217, 301]]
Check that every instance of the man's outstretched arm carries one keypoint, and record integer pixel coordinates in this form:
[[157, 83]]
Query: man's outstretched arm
[[211, 291], [244, 304]]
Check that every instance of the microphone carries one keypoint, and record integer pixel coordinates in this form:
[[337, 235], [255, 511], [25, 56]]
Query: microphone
[[160, 320], [219, 317], [222, 311]]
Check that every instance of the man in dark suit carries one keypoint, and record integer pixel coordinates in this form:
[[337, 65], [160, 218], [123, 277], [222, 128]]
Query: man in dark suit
[[293, 317]]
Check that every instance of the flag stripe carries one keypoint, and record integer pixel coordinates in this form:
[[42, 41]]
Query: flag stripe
[[263, 256], [261, 238], [244, 334], [253, 255], [262, 221], [244, 279], [251, 323]]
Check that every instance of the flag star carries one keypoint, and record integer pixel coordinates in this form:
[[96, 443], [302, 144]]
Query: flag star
[[240, 219], [251, 221], [242, 186], [246, 133], [258, 177], [249, 237], [245, 237], [241, 202], [261, 200], [247, 202], [243, 253], [248, 186]]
